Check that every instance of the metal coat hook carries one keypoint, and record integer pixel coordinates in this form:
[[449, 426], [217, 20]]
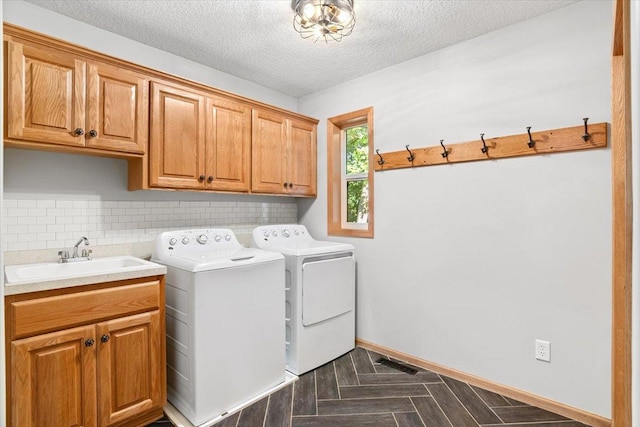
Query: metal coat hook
[[381, 161], [411, 155], [586, 135], [531, 142], [444, 153], [484, 148]]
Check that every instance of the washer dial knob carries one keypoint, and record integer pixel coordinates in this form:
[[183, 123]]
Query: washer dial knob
[[217, 238], [185, 240], [202, 239], [227, 237], [285, 233], [266, 233], [173, 241], [275, 233]]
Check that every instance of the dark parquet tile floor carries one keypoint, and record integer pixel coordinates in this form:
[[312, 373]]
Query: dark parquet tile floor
[[355, 390]]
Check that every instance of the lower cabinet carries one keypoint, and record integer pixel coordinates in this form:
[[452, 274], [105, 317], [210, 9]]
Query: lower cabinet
[[107, 373], [129, 367], [53, 379]]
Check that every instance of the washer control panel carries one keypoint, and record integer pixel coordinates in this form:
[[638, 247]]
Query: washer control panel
[[283, 234], [187, 242]]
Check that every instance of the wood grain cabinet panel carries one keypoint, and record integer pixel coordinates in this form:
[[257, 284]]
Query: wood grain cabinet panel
[[51, 313], [55, 98], [269, 151], [198, 141], [228, 145], [54, 379], [106, 369], [130, 367], [284, 155], [176, 134], [177, 137], [118, 109], [301, 158], [45, 95]]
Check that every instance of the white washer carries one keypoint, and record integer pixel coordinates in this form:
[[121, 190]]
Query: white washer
[[225, 328], [320, 294]]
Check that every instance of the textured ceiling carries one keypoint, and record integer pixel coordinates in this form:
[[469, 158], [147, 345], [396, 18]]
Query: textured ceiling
[[255, 40]]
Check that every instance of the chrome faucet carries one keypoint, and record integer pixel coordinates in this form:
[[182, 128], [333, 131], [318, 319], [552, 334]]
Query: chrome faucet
[[86, 253], [75, 247]]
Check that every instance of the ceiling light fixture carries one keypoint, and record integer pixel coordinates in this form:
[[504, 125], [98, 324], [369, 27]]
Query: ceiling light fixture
[[324, 19]]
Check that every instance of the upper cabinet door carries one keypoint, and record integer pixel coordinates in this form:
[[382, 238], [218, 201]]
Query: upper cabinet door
[[301, 159], [268, 160], [228, 147], [45, 95], [177, 138], [117, 109]]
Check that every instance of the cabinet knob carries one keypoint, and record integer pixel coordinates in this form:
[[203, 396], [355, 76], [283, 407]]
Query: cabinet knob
[[291, 185], [89, 342], [78, 132], [93, 133], [104, 338], [210, 179], [201, 178], [285, 185]]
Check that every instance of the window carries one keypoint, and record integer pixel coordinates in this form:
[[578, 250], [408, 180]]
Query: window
[[350, 174]]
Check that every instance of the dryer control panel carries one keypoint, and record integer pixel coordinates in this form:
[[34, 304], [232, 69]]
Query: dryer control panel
[[281, 234], [294, 239]]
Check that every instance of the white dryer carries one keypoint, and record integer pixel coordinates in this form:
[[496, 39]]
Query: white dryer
[[320, 294], [225, 327]]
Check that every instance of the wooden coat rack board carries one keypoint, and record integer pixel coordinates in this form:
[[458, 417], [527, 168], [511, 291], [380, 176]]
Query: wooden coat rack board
[[531, 143]]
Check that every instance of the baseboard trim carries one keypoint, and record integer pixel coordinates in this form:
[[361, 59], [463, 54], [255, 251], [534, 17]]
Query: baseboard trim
[[523, 396]]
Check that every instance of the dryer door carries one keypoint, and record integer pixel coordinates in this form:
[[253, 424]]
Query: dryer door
[[328, 289]]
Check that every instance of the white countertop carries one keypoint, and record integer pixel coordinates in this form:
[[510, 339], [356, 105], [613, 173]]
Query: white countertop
[[34, 284]]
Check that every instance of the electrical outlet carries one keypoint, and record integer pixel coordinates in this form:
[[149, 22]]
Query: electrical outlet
[[543, 350]]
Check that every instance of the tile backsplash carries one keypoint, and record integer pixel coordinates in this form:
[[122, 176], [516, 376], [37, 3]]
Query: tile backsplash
[[51, 224]]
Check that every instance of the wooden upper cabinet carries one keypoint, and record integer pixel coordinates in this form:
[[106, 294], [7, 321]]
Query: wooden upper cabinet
[[54, 379], [198, 142], [177, 137], [284, 155], [45, 95], [269, 151], [57, 98], [117, 109], [130, 367], [175, 134], [301, 158], [228, 145]]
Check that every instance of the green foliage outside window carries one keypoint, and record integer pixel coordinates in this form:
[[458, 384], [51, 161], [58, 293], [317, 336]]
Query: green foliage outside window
[[357, 163]]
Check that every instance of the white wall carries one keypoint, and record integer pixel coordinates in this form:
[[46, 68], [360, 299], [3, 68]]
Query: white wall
[[472, 262]]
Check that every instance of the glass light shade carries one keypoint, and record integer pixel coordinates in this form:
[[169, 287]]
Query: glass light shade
[[324, 19], [308, 11]]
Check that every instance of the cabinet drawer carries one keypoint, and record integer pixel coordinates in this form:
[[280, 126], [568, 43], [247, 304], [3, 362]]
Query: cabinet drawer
[[63, 311]]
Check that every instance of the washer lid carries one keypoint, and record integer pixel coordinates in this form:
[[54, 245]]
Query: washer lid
[[294, 240], [219, 260], [206, 249]]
